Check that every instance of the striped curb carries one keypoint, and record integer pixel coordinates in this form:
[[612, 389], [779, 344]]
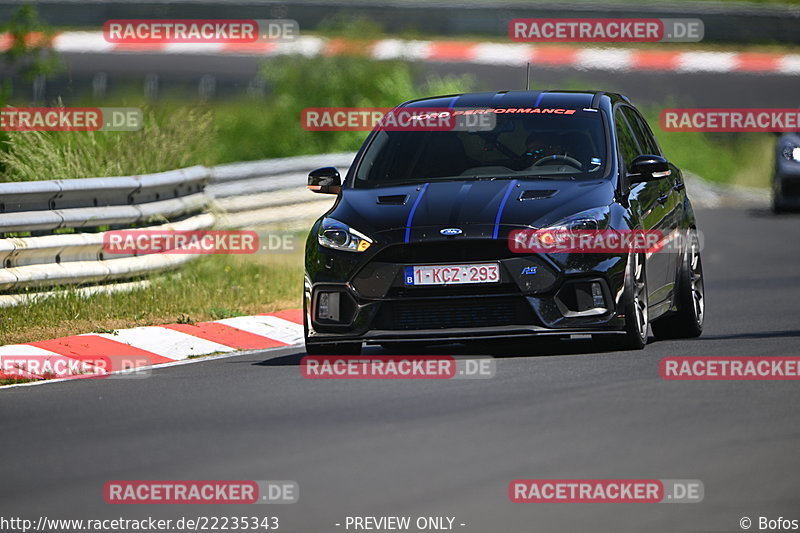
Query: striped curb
[[486, 53], [153, 345]]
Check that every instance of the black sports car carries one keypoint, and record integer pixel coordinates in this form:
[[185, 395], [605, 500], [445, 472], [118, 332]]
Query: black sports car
[[416, 247]]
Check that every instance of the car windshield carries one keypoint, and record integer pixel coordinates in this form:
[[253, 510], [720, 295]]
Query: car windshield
[[570, 145]]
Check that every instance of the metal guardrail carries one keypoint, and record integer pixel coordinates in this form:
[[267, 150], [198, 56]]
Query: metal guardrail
[[275, 190], [53, 230], [40, 206]]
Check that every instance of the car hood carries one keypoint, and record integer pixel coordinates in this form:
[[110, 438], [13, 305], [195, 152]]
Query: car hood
[[476, 207]]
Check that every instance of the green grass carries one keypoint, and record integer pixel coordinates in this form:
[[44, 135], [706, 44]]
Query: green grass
[[731, 158], [737, 159], [176, 135], [172, 137], [15, 381], [252, 129], [210, 288]]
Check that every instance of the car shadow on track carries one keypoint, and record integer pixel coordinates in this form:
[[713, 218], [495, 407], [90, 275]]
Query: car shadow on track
[[497, 349], [752, 335], [764, 212]]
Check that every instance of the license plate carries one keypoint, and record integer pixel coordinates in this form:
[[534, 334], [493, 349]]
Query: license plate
[[452, 274]]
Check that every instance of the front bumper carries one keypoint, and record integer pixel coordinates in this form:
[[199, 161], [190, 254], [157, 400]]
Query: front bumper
[[536, 295]]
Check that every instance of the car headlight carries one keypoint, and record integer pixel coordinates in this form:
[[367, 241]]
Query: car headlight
[[792, 153], [596, 218], [340, 236]]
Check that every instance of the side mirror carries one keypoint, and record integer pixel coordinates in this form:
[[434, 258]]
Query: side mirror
[[325, 180], [648, 168]]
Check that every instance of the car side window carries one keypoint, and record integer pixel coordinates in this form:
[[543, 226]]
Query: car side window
[[641, 131], [625, 140]]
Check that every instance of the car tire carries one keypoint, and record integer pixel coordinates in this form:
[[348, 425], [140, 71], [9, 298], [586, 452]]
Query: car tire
[[778, 205], [338, 348], [635, 308], [687, 321]]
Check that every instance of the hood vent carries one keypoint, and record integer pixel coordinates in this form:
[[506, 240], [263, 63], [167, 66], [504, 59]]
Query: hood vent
[[537, 194], [394, 199]]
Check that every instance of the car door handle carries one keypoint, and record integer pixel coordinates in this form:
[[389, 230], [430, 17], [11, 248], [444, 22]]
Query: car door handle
[[678, 187], [663, 198]]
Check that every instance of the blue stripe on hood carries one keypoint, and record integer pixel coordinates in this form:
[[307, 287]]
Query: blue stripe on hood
[[411, 213], [502, 206]]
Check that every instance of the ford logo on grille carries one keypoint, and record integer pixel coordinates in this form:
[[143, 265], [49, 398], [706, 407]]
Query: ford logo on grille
[[450, 231]]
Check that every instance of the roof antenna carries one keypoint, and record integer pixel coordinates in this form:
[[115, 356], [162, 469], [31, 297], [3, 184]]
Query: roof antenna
[[528, 77]]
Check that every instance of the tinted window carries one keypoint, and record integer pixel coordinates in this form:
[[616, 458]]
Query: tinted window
[[521, 144], [625, 139], [641, 132]]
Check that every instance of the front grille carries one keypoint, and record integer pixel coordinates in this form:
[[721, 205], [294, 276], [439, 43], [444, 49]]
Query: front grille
[[446, 251], [472, 289], [453, 313]]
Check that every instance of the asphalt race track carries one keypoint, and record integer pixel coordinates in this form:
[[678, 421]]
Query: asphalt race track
[[234, 73], [449, 448]]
